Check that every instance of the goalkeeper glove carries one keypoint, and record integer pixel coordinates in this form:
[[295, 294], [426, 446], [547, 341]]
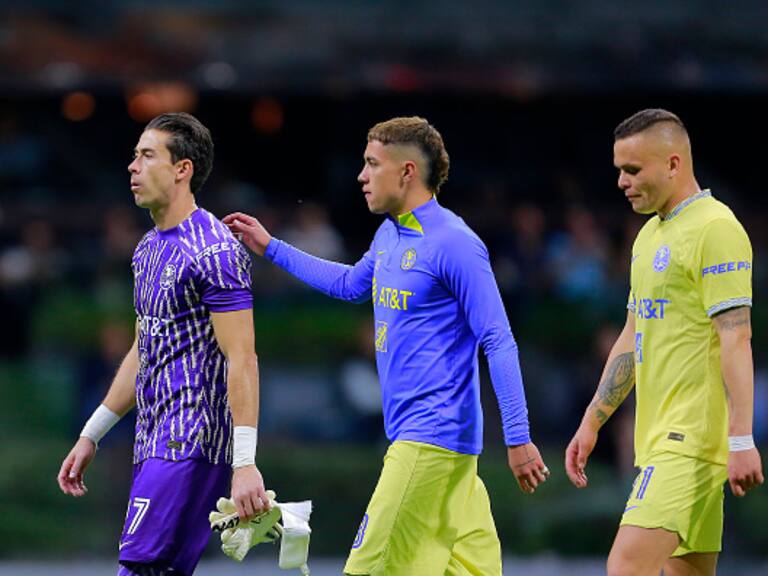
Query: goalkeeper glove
[[237, 537]]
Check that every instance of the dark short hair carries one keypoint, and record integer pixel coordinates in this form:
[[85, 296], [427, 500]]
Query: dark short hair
[[641, 121], [190, 139], [420, 133]]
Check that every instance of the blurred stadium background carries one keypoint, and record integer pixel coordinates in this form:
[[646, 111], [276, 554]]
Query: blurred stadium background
[[526, 95]]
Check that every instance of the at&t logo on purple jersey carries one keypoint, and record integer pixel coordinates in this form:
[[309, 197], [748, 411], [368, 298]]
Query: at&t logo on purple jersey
[[154, 326]]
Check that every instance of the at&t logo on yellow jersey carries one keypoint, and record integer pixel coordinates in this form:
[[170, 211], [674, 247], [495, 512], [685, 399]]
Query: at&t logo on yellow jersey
[[650, 308]]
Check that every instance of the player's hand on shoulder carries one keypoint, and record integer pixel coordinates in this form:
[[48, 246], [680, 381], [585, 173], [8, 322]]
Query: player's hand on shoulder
[[527, 465], [73, 467], [745, 471], [248, 491], [251, 232], [577, 454]]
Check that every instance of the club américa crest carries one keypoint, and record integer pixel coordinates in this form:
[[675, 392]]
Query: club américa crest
[[408, 259], [661, 260]]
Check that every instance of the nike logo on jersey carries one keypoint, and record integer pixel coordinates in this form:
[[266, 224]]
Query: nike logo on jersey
[[120, 546]]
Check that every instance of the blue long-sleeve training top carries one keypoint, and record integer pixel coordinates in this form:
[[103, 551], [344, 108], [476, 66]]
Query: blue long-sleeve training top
[[435, 300]]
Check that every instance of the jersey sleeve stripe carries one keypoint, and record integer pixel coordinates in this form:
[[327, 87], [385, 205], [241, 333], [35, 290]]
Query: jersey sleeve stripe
[[728, 304]]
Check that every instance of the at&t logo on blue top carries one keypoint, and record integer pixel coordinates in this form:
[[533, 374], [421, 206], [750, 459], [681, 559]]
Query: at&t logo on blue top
[[661, 260]]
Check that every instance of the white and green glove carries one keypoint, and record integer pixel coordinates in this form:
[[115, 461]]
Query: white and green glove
[[238, 537]]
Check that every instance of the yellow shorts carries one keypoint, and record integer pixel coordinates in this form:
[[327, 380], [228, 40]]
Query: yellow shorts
[[429, 516], [683, 495]]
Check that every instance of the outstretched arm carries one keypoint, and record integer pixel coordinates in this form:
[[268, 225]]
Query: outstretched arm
[[735, 332], [350, 283], [120, 398], [616, 383]]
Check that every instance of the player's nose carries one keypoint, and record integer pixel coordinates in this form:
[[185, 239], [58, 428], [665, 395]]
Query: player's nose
[[623, 181]]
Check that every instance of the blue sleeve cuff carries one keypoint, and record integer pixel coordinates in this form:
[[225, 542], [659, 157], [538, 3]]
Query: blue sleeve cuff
[[271, 250], [507, 380], [523, 436]]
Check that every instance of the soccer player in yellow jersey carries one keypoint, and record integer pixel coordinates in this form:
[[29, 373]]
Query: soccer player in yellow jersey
[[686, 349]]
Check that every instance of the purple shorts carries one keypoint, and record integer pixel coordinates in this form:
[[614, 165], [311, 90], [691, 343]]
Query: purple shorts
[[166, 525]]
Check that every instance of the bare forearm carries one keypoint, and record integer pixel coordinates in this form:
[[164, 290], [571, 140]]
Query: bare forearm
[[738, 377], [734, 328], [243, 390], [234, 333], [121, 396]]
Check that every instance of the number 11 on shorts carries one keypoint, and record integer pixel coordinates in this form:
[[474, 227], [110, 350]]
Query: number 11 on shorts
[[647, 473]]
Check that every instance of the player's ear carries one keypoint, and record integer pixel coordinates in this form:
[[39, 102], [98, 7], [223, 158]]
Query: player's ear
[[409, 171], [184, 169], [673, 165]]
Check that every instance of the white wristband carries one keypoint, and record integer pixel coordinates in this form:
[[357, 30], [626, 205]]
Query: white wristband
[[741, 443], [100, 422], [244, 446]]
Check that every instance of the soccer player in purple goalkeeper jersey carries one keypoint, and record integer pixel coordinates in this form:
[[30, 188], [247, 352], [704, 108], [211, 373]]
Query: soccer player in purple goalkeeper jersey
[[192, 371]]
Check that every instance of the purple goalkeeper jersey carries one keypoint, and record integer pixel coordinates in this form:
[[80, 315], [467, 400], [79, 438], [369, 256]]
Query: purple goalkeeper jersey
[[181, 275]]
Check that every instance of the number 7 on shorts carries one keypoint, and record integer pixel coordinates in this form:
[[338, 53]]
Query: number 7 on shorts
[[141, 505]]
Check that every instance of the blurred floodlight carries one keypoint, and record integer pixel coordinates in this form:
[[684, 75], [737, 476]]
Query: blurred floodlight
[[146, 101], [78, 106], [403, 78], [267, 115], [61, 74], [219, 75]]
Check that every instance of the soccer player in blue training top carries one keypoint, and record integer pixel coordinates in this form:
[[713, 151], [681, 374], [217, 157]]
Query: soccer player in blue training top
[[686, 350], [192, 370], [435, 300]]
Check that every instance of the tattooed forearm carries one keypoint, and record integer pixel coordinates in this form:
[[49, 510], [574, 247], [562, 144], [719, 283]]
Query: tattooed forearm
[[599, 414], [733, 319], [619, 380]]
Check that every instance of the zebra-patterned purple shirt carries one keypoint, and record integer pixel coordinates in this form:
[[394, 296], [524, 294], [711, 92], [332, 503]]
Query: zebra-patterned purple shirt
[[181, 275]]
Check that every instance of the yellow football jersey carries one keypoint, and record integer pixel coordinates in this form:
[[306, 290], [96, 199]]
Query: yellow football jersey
[[686, 268]]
